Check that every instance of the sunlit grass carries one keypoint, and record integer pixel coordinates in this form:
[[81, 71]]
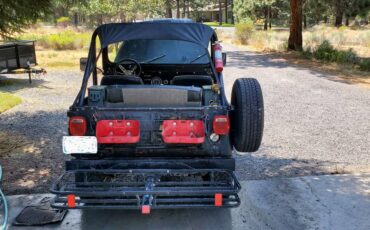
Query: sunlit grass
[[216, 24], [60, 59], [344, 38], [8, 101]]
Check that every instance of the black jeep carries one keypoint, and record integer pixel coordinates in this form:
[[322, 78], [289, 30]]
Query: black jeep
[[153, 129]]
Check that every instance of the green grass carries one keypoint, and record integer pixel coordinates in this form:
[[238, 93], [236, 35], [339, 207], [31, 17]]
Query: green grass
[[7, 101], [215, 24]]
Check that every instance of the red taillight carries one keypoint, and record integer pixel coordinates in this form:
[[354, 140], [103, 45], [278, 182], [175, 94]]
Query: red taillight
[[221, 124], [183, 131], [118, 131], [77, 126]]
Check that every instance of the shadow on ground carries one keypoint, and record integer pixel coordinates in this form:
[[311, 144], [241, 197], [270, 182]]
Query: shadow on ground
[[13, 83], [30, 150]]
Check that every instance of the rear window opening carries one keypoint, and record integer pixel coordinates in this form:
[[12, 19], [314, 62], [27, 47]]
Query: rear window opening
[[158, 52]]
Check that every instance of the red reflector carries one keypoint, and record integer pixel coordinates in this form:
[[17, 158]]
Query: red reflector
[[145, 209], [118, 131], [218, 199], [221, 124], [71, 201], [183, 131], [77, 126]]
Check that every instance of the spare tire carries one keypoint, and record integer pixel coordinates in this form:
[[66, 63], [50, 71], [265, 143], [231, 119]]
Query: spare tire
[[247, 118]]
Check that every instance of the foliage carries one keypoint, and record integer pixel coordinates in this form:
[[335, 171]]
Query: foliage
[[15, 15], [64, 40], [365, 64], [8, 101], [326, 52], [244, 30], [63, 20], [259, 9]]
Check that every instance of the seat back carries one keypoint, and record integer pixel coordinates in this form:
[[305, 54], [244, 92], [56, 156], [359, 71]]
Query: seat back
[[154, 96], [121, 80], [192, 80]]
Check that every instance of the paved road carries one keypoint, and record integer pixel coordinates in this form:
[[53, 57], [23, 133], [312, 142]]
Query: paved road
[[313, 124], [315, 202]]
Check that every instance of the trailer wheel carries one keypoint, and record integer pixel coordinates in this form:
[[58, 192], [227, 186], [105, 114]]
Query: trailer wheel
[[247, 118]]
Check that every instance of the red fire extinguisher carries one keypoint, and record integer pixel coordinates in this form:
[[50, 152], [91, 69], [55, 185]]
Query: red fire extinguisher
[[219, 64]]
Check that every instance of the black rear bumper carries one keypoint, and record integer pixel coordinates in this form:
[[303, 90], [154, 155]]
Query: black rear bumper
[[157, 184]]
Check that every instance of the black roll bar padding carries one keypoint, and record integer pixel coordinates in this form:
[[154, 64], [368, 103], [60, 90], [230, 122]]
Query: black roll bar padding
[[88, 69]]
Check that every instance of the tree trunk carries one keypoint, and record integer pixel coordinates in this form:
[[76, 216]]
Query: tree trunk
[[184, 9], [177, 8], [225, 11], [188, 9], [220, 12], [270, 16], [304, 22], [232, 11], [338, 18], [266, 18], [295, 37], [75, 21], [168, 9], [347, 20]]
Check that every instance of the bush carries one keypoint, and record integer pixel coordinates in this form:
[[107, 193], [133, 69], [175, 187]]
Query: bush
[[63, 21], [66, 40], [365, 64], [244, 30], [326, 52]]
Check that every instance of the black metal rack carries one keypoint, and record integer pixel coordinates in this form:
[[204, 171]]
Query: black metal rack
[[133, 188]]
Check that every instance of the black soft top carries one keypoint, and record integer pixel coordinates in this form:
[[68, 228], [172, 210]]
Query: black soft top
[[155, 30], [158, 30]]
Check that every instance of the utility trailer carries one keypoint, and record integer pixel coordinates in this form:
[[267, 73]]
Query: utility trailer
[[18, 57], [156, 130]]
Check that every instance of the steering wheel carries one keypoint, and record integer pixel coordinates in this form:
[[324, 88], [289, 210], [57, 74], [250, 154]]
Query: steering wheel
[[128, 67]]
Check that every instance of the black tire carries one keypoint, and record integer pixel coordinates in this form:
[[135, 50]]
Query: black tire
[[247, 118]]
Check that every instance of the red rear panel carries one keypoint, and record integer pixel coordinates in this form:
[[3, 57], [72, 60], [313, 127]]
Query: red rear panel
[[118, 131], [183, 131]]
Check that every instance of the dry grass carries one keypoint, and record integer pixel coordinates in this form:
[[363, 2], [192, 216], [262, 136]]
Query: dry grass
[[64, 59], [343, 38], [343, 73]]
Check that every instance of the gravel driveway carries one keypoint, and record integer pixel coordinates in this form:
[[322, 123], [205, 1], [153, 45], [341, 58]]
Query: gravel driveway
[[313, 123]]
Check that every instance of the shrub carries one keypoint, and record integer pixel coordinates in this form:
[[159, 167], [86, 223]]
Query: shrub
[[326, 52], [365, 64], [66, 40], [244, 30], [63, 21]]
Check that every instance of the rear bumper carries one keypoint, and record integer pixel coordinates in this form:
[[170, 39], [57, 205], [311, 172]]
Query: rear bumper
[[153, 184]]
